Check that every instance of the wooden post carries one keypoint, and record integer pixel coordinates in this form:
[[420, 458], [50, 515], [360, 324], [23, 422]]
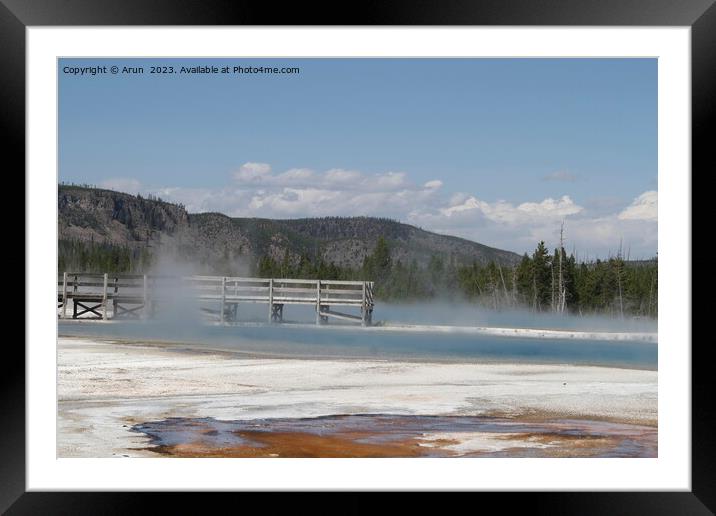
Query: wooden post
[[270, 311], [114, 298], [144, 296], [235, 313], [64, 295], [365, 306], [104, 298], [223, 298], [318, 301]]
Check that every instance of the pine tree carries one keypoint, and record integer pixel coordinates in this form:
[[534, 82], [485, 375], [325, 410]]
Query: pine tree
[[541, 277], [381, 259]]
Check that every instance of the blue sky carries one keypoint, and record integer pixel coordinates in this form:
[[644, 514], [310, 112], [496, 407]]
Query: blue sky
[[496, 150]]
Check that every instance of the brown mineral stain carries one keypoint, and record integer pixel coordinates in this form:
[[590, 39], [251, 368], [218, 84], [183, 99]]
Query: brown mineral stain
[[395, 436], [299, 445]]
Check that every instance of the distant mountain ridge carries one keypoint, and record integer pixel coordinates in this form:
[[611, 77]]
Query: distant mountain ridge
[[214, 240]]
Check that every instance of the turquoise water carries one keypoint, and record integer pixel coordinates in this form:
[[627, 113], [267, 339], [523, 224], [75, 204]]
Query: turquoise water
[[462, 314], [333, 342]]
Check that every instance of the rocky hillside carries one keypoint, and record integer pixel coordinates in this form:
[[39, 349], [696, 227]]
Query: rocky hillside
[[105, 216], [220, 242]]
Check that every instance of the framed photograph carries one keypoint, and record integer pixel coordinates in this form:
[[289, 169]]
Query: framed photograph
[[420, 252]]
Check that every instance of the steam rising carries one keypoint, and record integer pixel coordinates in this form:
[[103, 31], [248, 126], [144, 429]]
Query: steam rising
[[174, 302], [178, 309]]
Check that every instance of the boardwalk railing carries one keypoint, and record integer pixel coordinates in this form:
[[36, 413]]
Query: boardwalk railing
[[135, 296]]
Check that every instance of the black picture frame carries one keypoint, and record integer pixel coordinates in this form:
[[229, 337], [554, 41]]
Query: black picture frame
[[700, 15]]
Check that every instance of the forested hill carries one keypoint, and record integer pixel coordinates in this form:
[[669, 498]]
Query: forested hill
[[140, 227], [107, 231]]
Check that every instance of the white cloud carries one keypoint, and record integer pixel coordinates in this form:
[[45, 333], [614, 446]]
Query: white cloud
[[259, 192], [390, 180], [603, 237], [252, 172], [519, 227], [293, 202], [261, 175], [644, 207], [340, 176], [506, 213], [470, 203], [547, 209], [297, 174]]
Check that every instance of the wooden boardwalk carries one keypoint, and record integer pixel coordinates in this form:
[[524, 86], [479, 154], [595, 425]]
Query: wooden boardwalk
[[140, 296]]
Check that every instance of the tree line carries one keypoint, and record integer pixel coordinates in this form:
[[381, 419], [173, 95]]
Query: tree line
[[90, 256], [543, 281]]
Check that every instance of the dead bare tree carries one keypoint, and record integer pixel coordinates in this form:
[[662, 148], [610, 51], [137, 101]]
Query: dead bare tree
[[651, 294], [562, 286], [619, 280], [552, 301], [504, 286]]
